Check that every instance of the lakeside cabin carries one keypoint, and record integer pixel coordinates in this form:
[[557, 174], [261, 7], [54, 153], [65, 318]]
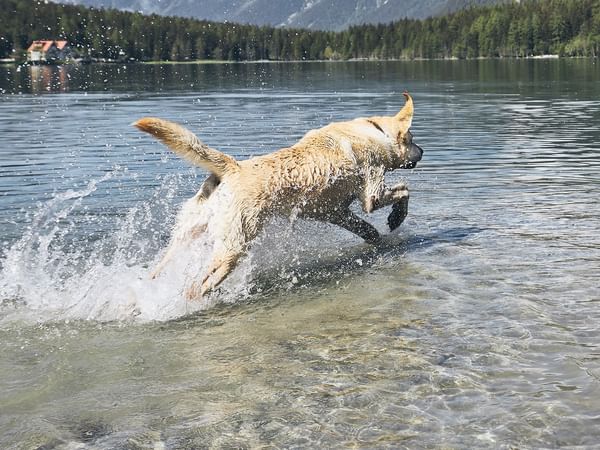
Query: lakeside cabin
[[48, 51]]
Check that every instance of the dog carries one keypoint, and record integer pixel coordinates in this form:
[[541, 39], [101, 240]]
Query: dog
[[317, 178]]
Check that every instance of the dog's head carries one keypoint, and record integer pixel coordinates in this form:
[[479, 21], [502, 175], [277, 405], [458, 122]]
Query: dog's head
[[408, 154]]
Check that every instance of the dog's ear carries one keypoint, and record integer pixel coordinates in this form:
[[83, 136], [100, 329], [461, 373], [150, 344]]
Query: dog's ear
[[406, 113]]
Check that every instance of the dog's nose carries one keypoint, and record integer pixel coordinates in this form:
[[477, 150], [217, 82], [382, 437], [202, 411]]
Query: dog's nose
[[415, 153]]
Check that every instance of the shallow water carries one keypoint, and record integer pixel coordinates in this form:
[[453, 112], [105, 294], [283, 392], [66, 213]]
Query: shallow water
[[474, 325]]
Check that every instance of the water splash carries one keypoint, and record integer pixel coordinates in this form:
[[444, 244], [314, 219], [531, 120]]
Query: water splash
[[56, 272]]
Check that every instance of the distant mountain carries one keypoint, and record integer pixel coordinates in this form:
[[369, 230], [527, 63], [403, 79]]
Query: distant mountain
[[312, 14]]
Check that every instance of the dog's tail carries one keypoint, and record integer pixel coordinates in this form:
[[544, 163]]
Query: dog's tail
[[185, 144]]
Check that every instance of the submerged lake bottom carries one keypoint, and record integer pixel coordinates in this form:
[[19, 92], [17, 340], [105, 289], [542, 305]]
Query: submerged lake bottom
[[474, 325]]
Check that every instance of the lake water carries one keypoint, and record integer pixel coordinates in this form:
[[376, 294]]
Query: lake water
[[476, 324]]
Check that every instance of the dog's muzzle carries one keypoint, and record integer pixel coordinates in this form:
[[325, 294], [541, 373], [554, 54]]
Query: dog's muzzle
[[415, 153]]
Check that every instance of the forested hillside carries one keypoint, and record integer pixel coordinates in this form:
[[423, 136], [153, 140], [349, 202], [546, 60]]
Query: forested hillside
[[565, 27]]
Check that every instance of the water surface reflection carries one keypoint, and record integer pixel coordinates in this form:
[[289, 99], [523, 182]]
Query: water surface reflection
[[475, 325]]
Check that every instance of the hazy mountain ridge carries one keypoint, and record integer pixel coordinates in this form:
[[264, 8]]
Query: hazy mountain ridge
[[314, 14]]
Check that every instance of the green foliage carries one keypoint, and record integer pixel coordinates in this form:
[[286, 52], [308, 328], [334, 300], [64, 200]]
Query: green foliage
[[531, 27]]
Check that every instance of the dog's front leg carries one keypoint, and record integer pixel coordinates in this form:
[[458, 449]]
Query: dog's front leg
[[351, 222], [398, 197], [388, 196], [377, 195], [398, 214]]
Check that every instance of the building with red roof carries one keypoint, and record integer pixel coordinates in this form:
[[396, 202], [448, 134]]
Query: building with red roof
[[48, 51]]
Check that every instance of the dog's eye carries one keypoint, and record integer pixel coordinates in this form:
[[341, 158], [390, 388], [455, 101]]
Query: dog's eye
[[408, 137]]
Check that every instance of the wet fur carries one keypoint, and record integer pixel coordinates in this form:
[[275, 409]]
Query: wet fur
[[318, 178]]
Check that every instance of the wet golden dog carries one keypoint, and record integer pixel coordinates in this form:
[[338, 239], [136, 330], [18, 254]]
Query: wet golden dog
[[318, 178]]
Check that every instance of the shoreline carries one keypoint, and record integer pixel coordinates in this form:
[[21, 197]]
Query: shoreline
[[13, 61]]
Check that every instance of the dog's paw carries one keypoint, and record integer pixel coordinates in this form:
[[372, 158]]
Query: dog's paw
[[400, 187], [398, 214], [400, 192]]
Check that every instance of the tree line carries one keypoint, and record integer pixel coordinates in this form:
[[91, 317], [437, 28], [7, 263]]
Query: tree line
[[527, 28]]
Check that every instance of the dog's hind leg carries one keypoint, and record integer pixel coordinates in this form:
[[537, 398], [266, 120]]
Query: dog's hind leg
[[229, 248], [178, 243], [182, 237], [351, 222], [218, 270], [221, 266], [163, 262]]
